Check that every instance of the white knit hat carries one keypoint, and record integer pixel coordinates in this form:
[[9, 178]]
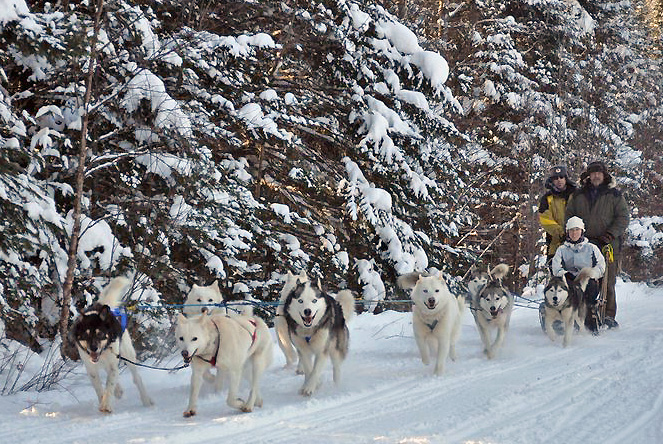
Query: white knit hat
[[575, 222]]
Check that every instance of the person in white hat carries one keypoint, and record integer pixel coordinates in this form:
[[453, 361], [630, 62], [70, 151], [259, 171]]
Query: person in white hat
[[575, 254]]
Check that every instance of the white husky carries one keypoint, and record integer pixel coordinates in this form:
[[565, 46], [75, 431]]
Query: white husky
[[492, 307], [226, 342], [317, 324], [436, 317]]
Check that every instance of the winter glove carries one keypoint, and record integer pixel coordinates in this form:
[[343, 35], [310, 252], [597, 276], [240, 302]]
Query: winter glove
[[606, 238]]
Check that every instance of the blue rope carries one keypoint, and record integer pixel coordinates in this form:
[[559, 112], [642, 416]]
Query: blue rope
[[254, 303]]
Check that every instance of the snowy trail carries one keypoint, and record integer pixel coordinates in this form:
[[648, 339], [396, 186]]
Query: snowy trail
[[604, 389]]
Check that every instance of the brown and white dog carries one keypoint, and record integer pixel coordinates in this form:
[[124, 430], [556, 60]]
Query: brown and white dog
[[101, 341]]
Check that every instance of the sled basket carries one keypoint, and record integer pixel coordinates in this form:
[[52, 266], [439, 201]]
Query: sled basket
[[608, 254]]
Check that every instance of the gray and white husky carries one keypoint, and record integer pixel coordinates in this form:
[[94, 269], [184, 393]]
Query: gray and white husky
[[436, 316], [567, 304], [226, 342], [280, 324], [317, 325], [492, 307], [101, 341]]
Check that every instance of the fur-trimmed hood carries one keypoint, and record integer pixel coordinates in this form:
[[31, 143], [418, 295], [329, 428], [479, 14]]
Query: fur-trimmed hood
[[608, 181]]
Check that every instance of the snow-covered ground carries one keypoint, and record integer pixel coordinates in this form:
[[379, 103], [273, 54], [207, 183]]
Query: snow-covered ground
[[606, 389]]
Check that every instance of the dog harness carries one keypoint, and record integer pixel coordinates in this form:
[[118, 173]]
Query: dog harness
[[432, 325], [121, 315], [212, 360]]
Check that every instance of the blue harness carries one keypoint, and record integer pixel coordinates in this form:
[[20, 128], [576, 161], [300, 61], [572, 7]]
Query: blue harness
[[121, 315]]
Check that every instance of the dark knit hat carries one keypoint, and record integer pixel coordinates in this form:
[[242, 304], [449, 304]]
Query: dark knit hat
[[597, 167], [559, 170]]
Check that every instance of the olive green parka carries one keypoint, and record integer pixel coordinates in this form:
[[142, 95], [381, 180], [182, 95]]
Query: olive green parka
[[603, 209]]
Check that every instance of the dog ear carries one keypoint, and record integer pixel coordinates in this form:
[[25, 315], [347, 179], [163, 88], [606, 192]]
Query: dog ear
[[408, 281], [105, 313]]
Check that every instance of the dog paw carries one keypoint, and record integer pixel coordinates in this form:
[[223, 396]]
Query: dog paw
[[105, 409], [189, 413], [147, 402], [236, 403], [118, 391], [258, 402], [246, 409], [306, 391]]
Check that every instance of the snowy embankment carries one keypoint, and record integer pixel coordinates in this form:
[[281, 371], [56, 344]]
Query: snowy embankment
[[603, 389]]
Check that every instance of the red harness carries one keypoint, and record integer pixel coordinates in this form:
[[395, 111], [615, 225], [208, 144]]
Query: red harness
[[254, 335]]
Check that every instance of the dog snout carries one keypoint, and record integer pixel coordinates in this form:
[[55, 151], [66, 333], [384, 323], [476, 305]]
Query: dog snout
[[185, 354], [431, 301], [307, 312]]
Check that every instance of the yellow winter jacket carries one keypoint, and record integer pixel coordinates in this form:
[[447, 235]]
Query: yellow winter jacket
[[551, 215]]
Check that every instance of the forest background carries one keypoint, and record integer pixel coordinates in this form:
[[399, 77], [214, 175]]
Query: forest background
[[182, 142]]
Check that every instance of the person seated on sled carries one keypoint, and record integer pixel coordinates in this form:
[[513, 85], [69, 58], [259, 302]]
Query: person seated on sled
[[575, 254]]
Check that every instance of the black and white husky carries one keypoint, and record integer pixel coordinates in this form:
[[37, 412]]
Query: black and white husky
[[567, 304], [101, 341], [280, 324], [317, 324], [492, 306]]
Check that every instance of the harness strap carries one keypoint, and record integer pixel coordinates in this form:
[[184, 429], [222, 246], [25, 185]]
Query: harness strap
[[212, 360], [255, 331], [121, 315], [432, 325]]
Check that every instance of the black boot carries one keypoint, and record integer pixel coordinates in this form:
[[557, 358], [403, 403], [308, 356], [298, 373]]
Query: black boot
[[610, 322]]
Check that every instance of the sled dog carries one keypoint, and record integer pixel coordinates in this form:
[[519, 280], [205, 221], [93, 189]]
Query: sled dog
[[436, 317], [226, 342], [567, 304], [477, 280], [317, 324], [280, 324], [101, 341], [563, 304], [210, 297], [492, 307]]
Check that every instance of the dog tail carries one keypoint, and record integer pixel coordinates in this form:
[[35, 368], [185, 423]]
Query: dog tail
[[409, 280], [347, 301], [499, 271], [585, 275], [111, 294]]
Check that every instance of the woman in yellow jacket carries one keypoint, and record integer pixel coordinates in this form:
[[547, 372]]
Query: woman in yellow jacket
[[553, 206]]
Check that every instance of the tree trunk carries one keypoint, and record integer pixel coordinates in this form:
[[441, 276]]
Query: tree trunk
[[68, 350]]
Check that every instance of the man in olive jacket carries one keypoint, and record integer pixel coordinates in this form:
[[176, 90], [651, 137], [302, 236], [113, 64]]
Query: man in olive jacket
[[603, 207]]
